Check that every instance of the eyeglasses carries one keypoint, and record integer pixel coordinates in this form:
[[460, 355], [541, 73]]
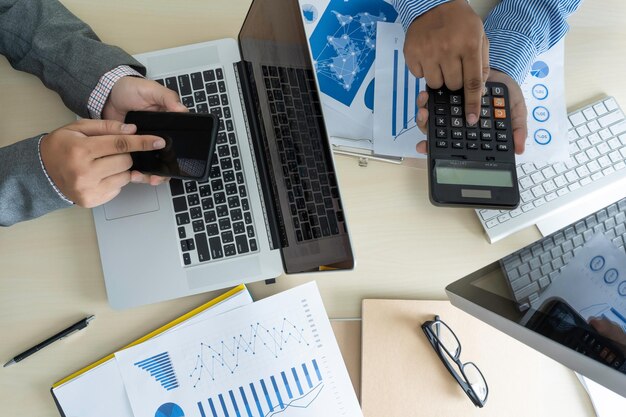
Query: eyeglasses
[[448, 348]]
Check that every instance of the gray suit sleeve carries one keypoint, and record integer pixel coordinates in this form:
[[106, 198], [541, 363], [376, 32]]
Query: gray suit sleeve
[[25, 192], [43, 38]]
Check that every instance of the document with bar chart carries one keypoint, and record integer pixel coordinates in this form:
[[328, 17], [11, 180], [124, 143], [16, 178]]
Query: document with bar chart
[[276, 357], [395, 96]]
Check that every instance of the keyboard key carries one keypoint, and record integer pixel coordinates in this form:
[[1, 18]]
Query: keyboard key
[[216, 247]]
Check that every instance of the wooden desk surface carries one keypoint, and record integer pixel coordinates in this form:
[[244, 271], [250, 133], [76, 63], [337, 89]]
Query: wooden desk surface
[[50, 273]]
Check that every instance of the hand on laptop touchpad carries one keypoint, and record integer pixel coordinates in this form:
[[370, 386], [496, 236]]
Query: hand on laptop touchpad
[[132, 200]]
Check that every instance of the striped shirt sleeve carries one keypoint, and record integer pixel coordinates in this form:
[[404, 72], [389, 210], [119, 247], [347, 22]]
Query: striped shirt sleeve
[[519, 30], [409, 10]]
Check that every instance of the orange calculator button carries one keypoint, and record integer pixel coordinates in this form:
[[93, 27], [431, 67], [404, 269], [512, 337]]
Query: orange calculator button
[[498, 102], [499, 113]]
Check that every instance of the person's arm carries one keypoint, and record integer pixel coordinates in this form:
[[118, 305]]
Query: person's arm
[[519, 30], [43, 38], [446, 44]]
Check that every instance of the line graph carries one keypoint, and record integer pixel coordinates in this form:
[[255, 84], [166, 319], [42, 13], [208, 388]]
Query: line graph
[[225, 355]]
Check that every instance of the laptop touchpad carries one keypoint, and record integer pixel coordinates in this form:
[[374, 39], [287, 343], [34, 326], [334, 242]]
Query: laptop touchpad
[[132, 200]]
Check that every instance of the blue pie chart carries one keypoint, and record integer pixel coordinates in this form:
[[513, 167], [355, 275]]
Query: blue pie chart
[[540, 69], [169, 410]]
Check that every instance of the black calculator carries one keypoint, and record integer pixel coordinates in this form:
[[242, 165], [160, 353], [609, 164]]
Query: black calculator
[[471, 165]]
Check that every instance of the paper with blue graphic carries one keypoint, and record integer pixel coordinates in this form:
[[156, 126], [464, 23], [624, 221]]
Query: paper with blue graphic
[[544, 91], [342, 38], [276, 357], [395, 97]]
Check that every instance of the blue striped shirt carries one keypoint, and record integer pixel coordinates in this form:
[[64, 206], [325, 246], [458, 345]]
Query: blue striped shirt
[[518, 30]]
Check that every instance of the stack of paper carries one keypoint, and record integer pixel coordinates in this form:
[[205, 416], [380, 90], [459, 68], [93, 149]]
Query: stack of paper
[[277, 356]]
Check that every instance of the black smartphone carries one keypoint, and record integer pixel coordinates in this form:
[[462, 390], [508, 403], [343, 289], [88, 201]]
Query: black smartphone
[[471, 165], [190, 143], [558, 321]]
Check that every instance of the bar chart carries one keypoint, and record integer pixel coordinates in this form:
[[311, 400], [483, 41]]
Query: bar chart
[[297, 387], [160, 368]]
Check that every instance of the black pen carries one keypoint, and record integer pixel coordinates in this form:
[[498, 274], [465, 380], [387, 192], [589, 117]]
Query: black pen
[[62, 334]]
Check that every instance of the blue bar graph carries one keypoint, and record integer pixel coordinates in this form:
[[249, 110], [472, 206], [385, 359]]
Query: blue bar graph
[[317, 370], [405, 119], [212, 408], [223, 404], [306, 374], [160, 368], [286, 385], [201, 408], [394, 103], [295, 376], [244, 401], [267, 396]]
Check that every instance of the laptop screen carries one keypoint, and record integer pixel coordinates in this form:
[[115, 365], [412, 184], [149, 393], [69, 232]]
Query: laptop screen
[[291, 144], [568, 288]]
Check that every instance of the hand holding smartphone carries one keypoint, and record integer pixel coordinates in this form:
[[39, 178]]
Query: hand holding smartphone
[[190, 143]]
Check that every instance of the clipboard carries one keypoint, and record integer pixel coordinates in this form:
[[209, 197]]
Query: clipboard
[[86, 391]]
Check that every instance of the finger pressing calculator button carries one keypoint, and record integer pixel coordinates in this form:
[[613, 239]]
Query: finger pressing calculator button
[[440, 121], [485, 123], [502, 137], [498, 102], [457, 145], [472, 146], [442, 134], [454, 99], [442, 144], [502, 147], [487, 146], [499, 113], [486, 136], [500, 125]]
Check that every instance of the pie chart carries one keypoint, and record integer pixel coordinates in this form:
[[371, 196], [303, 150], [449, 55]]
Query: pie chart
[[540, 69], [169, 410]]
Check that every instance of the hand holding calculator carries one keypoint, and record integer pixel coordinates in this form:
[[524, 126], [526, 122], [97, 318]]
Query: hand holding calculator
[[471, 165]]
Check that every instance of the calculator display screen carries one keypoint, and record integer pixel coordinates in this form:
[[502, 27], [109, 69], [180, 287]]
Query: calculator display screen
[[473, 176]]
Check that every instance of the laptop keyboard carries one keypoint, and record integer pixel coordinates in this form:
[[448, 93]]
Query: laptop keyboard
[[213, 217], [530, 270], [311, 184]]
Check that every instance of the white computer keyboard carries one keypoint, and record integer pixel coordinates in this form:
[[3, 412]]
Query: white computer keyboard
[[594, 176]]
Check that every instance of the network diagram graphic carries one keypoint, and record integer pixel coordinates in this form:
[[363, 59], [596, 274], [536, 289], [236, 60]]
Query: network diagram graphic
[[258, 339], [344, 44]]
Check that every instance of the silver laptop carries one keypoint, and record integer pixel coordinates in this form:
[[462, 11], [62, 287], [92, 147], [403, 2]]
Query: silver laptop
[[271, 204], [574, 305]]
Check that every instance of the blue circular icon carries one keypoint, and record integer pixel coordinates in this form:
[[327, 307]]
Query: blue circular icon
[[540, 69], [309, 12], [543, 137], [169, 410], [611, 275], [541, 114], [621, 290], [597, 263], [540, 91]]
